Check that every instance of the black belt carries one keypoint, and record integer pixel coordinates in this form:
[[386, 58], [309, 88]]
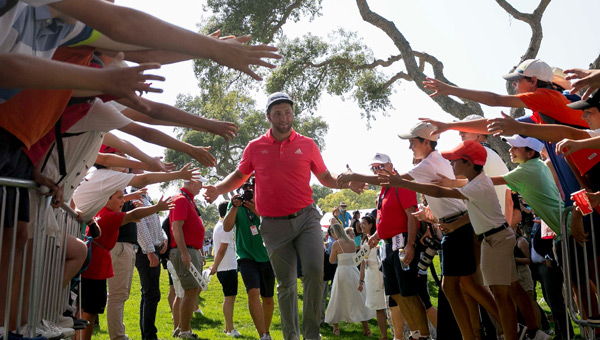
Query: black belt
[[290, 216], [493, 231], [388, 241], [450, 219]]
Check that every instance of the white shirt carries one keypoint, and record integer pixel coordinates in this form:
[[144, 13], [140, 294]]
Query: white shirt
[[484, 212], [495, 167], [593, 133], [229, 261], [101, 117], [426, 172], [95, 189]]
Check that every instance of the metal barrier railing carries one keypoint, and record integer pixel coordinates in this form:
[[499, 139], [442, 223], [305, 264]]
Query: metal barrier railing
[[585, 278], [41, 293]]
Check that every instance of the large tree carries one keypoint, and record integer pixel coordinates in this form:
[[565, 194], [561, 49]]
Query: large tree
[[343, 64]]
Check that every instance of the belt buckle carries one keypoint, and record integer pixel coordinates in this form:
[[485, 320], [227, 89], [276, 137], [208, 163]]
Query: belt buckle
[[294, 215]]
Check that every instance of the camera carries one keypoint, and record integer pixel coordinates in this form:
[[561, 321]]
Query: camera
[[246, 191], [432, 245]]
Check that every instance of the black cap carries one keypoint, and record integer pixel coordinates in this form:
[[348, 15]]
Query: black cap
[[592, 101]]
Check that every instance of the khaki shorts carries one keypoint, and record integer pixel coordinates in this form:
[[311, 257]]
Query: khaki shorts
[[185, 276], [498, 260]]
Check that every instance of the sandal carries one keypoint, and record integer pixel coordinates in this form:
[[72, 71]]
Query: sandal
[[336, 331], [367, 333]]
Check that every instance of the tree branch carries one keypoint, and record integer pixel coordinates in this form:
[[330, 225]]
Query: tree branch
[[283, 20]]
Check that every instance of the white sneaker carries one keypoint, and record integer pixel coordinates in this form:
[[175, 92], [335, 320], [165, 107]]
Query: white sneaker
[[64, 321], [187, 335], [175, 333], [66, 332], [265, 336], [234, 333], [44, 331], [198, 311]]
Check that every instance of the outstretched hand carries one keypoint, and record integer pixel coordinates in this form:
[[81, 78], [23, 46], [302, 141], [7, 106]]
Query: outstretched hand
[[127, 82], [388, 179], [165, 204], [202, 155], [506, 125], [439, 88], [439, 126], [568, 146], [589, 78], [357, 187], [186, 173], [236, 54], [226, 130], [160, 166], [210, 193]]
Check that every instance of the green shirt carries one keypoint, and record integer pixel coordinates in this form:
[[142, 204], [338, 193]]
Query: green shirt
[[248, 246], [534, 182]]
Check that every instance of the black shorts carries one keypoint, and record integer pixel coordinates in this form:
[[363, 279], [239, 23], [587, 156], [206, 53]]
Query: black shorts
[[396, 280], [93, 296], [229, 281], [392, 302], [458, 257], [258, 275], [20, 167], [423, 291]]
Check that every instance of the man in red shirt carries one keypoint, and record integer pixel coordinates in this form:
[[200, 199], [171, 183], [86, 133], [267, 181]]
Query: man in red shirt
[[187, 239], [93, 280], [282, 161]]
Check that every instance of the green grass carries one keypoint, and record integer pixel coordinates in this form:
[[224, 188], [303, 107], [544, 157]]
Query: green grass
[[211, 324]]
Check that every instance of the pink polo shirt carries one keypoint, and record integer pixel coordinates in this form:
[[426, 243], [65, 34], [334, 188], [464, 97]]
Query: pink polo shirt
[[282, 172]]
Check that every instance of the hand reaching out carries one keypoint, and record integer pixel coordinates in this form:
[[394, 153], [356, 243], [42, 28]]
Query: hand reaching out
[[439, 88], [210, 193], [202, 155], [568, 146], [165, 204], [585, 78], [506, 125], [236, 54], [227, 130]]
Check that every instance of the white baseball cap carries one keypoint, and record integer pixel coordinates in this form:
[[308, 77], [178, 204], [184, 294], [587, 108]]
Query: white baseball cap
[[422, 130], [520, 141], [381, 158], [531, 68], [278, 97]]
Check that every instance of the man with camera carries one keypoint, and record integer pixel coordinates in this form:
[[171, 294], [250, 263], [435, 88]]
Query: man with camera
[[283, 161], [252, 257], [397, 227]]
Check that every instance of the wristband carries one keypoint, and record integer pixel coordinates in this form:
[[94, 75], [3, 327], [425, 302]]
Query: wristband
[[361, 281]]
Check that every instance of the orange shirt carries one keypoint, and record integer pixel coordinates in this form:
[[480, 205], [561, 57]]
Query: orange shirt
[[552, 104], [32, 113]]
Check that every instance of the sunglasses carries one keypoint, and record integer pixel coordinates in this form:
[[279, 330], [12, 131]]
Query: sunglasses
[[379, 167]]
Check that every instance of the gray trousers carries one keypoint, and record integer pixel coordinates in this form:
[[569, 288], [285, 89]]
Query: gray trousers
[[284, 239]]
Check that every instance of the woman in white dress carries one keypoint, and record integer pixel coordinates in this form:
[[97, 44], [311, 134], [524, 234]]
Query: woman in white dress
[[371, 278], [346, 303]]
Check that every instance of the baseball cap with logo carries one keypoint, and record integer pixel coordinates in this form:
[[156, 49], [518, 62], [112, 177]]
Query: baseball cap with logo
[[520, 141], [531, 68], [470, 150], [422, 130], [278, 97], [381, 158], [592, 101]]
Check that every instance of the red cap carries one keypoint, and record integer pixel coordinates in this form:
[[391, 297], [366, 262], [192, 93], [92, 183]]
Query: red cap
[[470, 150], [108, 149]]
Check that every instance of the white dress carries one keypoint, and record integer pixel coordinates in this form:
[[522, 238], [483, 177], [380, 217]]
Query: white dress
[[346, 303], [374, 282]]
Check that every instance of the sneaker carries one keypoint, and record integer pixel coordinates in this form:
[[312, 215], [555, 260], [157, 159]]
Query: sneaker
[[234, 333], [198, 311], [265, 336], [188, 335], [43, 331], [66, 332], [521, 331], [175, 333]]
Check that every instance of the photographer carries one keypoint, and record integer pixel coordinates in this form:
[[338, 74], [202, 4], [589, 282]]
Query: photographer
[[252, 257]]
